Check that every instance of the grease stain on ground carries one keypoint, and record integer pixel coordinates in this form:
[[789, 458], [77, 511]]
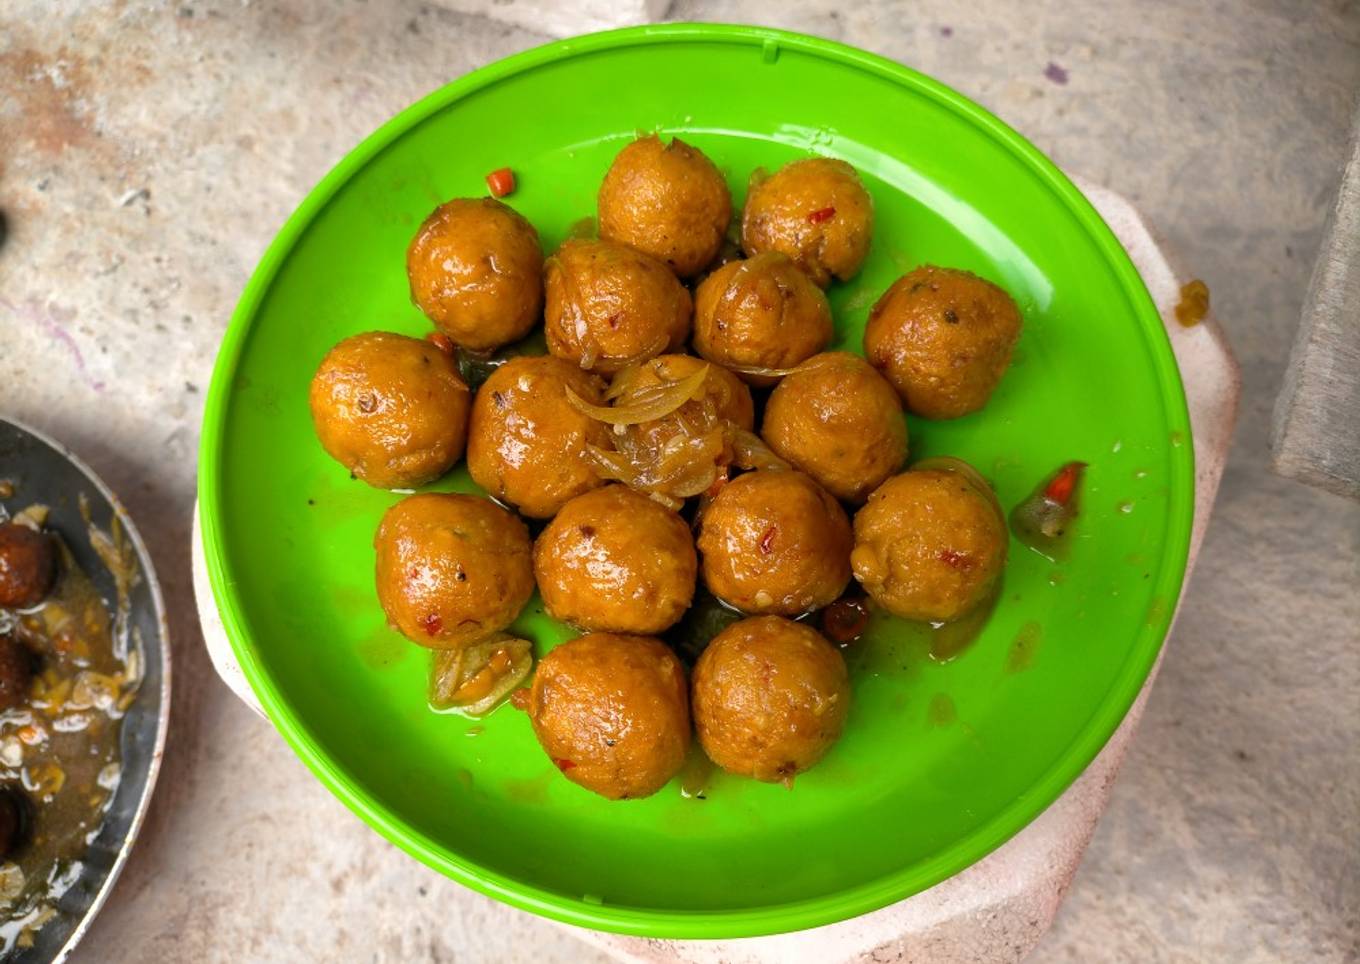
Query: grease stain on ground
[[1024, 647], [51, 97], [533, 790], [941, 712]]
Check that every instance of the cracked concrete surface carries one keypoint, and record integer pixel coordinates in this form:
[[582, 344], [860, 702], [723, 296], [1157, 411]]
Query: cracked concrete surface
[[149, 150]]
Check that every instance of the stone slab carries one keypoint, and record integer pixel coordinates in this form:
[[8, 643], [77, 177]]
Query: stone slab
[[1228, 835], [1317, 415]]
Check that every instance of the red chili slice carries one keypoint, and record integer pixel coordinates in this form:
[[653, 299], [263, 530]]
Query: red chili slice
[[955, 559], [1063, 484], [501, 181], [845, 620], [823, 214], [441, 341]]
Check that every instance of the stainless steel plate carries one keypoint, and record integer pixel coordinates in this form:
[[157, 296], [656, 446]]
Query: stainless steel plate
[[45, 471]]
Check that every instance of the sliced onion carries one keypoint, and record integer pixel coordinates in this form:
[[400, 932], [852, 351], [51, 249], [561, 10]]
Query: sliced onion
[[612, 465], [691, 469], [647, 354], [697, 484], [816, 361], [671, 440], [656, 406], [475, 679], [590, 353], [622, 381], [751, 452], [687, 467], [947, 463], [660, 497], [761, 370], [35, 517], [644, 395]]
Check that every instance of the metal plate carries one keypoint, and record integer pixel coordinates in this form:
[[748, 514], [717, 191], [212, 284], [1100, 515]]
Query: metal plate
[[45, 471]]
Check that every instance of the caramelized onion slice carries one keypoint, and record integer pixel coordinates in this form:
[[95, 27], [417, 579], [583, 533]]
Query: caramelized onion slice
[[760, 370], [808, 364], [611, 465], [668, 480], [751, 452], [655, 406], [621, 382], [475, 679], [947, 463]]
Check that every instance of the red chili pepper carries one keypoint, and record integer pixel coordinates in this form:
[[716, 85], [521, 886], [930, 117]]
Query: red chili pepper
[[441, 341], [845, 620], [501, 181], [1062, 485], [432, 624], [563, 765], [957, 560], [767, 540], [718, 483], [824, 214]]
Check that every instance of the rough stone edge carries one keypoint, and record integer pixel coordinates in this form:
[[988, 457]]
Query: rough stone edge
[[1316, 433]]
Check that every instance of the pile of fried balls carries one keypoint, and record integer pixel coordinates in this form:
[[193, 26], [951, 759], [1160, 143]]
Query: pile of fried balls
[[641, 468]]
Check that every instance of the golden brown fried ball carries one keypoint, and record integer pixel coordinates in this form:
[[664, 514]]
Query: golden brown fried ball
[[929, 545], [770, 697], [944, 338], [612, 712], [667, 200], [774, 541], [614, 560], [391, 409], [817, 212], [476, 270], [609, 305], [452, 569], [526, 443], [28, 565], [839, 421], [760, 313]]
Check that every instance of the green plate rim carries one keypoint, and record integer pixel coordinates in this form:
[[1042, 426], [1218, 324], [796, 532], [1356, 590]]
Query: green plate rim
[[746, 922]]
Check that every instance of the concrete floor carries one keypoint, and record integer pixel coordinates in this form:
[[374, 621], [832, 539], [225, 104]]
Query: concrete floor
[[148, 151]]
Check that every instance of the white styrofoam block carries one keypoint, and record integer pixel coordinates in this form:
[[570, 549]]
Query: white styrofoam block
[[214, 633], [564, 19]]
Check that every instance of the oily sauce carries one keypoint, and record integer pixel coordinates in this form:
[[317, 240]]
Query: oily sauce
[[62, 744], [1193, 304]]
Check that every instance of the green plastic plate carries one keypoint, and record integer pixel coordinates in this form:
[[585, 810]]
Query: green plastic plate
[[939, 763]]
